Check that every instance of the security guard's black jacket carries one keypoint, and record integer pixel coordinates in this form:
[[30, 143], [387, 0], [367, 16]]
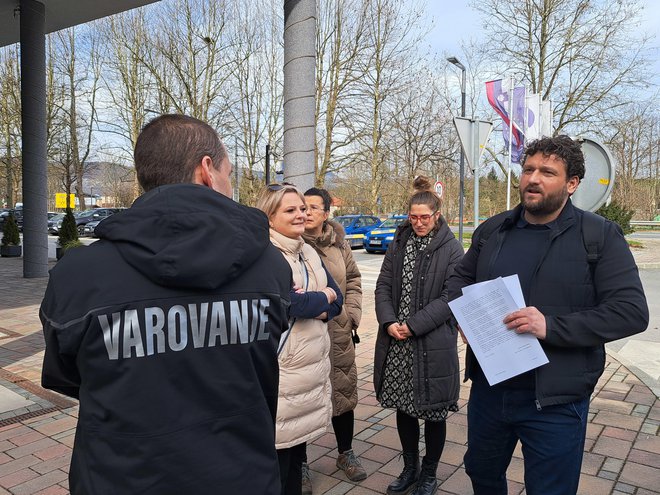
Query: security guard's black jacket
[[166, 329]]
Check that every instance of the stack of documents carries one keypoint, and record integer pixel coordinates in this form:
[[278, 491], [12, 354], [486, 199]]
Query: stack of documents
[[480, 311]]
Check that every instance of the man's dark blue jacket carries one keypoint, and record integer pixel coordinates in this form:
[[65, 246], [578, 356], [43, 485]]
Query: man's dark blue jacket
[[581, 314]]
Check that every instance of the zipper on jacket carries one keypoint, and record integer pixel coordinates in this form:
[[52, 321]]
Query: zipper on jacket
[[538, 405]]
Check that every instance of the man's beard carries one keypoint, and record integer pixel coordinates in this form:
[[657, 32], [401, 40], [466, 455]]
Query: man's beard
[[547, 205]]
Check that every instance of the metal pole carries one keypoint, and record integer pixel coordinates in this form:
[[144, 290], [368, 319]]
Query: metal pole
[[475, 160], [508, 170], [461, 172], [461, 192], [33, 110], [267, 171]]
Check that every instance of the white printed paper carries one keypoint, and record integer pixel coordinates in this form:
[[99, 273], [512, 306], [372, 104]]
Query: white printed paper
[[502, 353]]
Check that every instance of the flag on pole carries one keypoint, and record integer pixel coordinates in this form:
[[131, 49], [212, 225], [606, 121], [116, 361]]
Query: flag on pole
[[499, 100], [546, 118], [533, 124]]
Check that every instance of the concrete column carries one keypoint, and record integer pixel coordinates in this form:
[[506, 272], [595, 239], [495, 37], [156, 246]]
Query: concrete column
[[33, 102], [299, 91]]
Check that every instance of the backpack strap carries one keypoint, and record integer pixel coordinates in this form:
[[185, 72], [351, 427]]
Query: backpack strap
[[593, 237], [486, 232]]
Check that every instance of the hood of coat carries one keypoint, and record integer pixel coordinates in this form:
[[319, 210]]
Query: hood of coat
[[333, 234], [187, 236]]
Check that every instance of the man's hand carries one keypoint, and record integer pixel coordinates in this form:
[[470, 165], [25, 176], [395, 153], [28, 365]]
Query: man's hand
[[527, 320]]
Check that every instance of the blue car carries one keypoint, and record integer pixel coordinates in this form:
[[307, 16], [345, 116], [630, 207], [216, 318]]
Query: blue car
[[356, 226], [379, 238]]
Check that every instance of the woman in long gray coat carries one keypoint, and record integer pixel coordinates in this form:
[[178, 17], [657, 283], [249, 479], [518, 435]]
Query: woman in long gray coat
[[416, 367]]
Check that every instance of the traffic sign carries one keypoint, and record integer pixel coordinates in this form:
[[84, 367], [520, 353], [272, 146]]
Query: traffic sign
[[439, 188], [473, 135]]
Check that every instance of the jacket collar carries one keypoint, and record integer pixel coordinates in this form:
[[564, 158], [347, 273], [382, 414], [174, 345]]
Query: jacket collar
[[566, 216]]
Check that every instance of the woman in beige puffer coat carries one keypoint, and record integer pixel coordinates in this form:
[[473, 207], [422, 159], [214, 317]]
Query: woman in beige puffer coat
[[303, 405], [327, 238]]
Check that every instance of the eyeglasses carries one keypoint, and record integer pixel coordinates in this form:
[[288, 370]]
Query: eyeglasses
[[315, 208], [275, 186], [422, 218]]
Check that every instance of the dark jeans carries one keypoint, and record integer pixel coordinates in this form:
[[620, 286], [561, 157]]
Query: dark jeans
[[291, 460], [552, 441]]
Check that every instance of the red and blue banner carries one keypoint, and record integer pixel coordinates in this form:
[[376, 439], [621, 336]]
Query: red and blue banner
[[499, 100]]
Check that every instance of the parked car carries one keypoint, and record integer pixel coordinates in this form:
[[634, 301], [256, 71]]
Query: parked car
[[378, 239], [18, 216], [54, 223], [88, 229], [356, 226], [84, 217]]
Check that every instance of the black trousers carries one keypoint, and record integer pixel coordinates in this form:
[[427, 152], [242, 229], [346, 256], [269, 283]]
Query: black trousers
[[291, 460]]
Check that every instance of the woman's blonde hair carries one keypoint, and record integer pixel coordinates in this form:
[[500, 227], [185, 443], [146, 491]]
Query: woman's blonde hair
[[270, 196]]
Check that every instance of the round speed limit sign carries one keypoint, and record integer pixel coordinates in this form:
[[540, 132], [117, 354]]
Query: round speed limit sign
[[439, 188]]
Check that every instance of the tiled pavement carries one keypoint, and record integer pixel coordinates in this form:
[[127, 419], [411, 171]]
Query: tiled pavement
[[622, 452]]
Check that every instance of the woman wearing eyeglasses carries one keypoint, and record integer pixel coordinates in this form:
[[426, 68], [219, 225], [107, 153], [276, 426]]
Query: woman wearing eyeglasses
[[327, 238], [416, 367], [303, 407]]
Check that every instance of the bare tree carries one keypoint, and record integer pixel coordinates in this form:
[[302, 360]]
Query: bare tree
[[582, 55], [389, 63], [341, 37], [255, 87], [126, 80], [79, 80], [190, 61], [633, 140], [10, 123]]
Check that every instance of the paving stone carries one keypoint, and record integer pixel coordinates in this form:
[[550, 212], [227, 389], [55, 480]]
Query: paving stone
[[608, 418], [616, 406], [53, 490], [592, 485], [640, 475], [40, 483], [31, 448], [613, 465], [17, 465], [648, 443], [612, 447], [380, 454], [58, 426], [17, 477], [624, 488], [52, 464], [29, 437], [620, 433], [591, 463]]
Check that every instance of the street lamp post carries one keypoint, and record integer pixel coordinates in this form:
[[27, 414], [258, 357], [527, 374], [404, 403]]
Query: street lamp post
[[461, 192]]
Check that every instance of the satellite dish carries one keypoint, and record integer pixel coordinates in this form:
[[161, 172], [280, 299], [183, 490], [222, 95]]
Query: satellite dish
[[596, 187]]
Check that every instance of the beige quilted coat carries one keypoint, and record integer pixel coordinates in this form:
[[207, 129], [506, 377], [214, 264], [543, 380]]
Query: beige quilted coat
[[303, 405]]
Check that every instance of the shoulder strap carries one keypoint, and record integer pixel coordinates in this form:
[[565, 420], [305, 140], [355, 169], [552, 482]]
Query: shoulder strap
[[487, 230], [593, 237]]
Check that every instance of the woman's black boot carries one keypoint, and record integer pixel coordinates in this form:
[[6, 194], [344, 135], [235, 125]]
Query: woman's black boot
[[427, 484], [408, 477]]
